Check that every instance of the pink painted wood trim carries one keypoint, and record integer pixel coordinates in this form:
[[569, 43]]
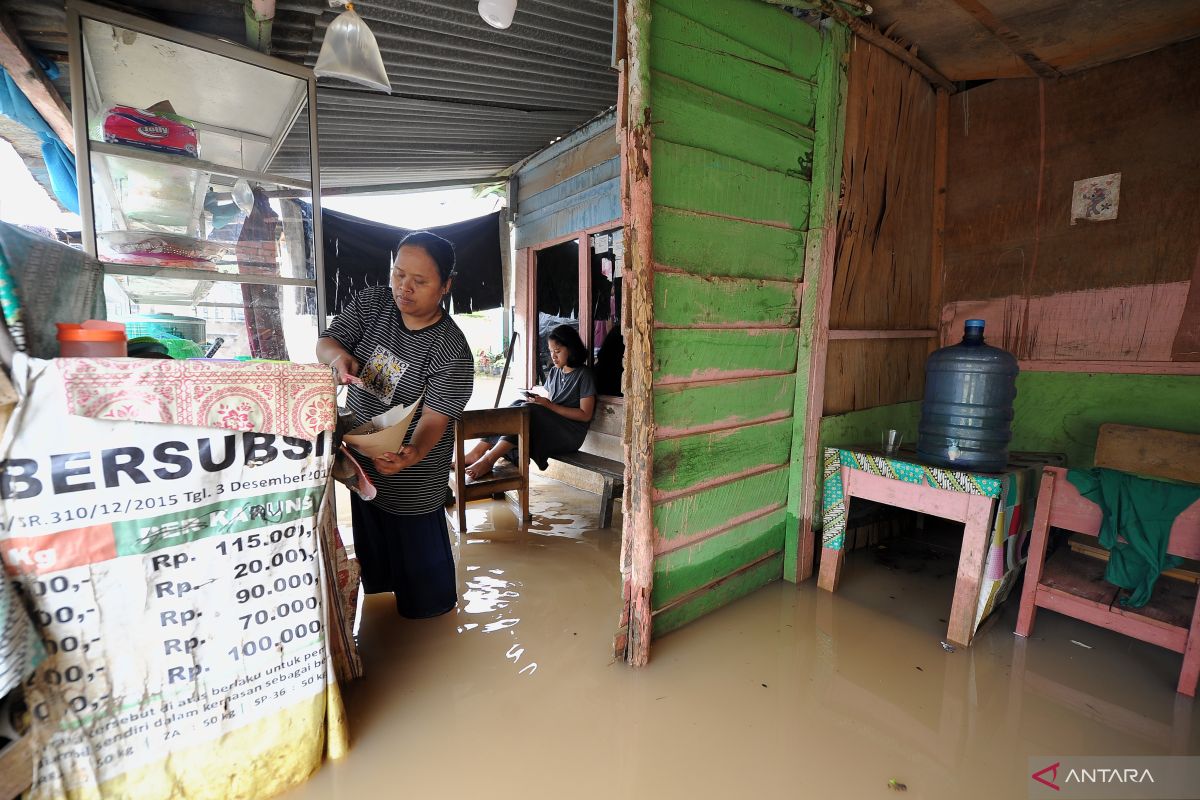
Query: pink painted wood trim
[[843, 335], [1124, 324], [664, 546], [664, 269], [971, 561], [566, 237], [665, 433], [1039, 539], [913, 496], [661, 496], [814, 408], [1060, 504], [681, 387], [722, 326], [1113, 618], [767, 223], [585, 292], [1115, 367], [715, 583], [830, 574], [1076, 513], [1186, 345], [1070, 510], [722, 377], [1190, 672], [531, 317]]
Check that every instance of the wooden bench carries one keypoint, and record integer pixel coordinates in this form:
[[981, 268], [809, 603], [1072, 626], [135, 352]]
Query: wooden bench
[[1073, 584], [598, 465], [612, 472]]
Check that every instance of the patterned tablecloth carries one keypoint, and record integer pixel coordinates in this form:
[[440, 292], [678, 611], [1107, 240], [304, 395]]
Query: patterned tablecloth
[[1012, 520]]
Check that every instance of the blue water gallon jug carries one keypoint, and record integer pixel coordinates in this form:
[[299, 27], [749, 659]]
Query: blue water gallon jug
[[966, 416]]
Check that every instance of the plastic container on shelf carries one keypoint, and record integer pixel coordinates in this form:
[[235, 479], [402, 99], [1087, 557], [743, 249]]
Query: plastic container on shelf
[[91, 340], [191, 328], [967, 411]]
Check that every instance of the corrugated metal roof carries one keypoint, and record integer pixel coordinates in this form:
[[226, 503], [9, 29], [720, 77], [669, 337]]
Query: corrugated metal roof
[[468, 100]]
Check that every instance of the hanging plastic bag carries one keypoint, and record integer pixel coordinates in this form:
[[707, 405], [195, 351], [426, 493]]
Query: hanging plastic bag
[[350, 52]]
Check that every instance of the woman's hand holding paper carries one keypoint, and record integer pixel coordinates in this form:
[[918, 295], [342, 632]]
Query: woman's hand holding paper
[[391, 463]]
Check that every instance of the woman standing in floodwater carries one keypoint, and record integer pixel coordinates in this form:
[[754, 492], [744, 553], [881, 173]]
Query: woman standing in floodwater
[[391, 346]]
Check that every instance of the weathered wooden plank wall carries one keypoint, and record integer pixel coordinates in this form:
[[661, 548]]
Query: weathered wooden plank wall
[[881, 320], [734, 94], [882, 280], [570, 186], [1111, 295]]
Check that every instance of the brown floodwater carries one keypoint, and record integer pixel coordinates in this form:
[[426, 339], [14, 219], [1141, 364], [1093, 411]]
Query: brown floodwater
[[790, 692]]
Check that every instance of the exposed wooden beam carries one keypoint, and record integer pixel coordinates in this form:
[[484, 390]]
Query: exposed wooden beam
[[870, 33], [984, 16], [638, 531], [819, 257], [22, 65]]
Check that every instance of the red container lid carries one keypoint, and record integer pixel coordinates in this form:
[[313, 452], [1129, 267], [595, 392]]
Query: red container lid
[[69, 332]]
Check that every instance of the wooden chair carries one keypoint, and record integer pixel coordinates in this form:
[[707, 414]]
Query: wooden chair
[[504, 478], [1072, 583]]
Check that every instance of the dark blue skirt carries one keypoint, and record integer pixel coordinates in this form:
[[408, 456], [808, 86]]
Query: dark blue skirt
[[407, 555]]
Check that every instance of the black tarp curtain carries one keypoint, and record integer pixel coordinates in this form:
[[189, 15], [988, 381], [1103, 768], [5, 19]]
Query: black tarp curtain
[[359, 253]]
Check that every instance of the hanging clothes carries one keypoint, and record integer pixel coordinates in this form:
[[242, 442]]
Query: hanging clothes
[[60, 162], [52, 283], [1141, 511], [257, 254], [358, 253]]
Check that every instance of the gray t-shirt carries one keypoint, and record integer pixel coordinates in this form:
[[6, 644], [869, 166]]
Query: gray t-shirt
[[569, 388]]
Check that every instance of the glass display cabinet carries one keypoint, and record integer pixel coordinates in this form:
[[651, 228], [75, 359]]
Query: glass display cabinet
[[197, 164]]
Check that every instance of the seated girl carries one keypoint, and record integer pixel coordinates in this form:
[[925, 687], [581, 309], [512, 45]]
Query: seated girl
[[559, 420]]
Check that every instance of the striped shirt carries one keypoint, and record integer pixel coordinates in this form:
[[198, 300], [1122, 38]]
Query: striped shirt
[[396, 366]]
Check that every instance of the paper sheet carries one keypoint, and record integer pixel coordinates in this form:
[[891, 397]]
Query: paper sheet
[[384, 433]]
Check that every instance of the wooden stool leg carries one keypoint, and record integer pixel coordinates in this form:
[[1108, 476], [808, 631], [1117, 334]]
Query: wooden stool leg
[[606, 503], [1190, 672], [523, 499], [523, 467], [460, 478]]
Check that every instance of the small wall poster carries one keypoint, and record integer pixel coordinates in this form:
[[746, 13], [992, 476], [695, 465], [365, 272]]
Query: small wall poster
[[1095, 199]]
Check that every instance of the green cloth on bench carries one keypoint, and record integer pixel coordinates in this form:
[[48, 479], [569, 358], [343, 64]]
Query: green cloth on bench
[[1142, 511]]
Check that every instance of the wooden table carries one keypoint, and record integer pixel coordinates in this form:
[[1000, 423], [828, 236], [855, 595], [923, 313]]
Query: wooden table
[[476, 424], [996, 512]]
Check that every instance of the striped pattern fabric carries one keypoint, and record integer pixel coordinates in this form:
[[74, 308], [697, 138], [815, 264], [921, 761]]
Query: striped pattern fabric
[[398, 366]]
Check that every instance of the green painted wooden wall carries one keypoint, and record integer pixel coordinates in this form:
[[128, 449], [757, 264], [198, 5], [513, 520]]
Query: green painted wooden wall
[[734, 96], [1059, 412]]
